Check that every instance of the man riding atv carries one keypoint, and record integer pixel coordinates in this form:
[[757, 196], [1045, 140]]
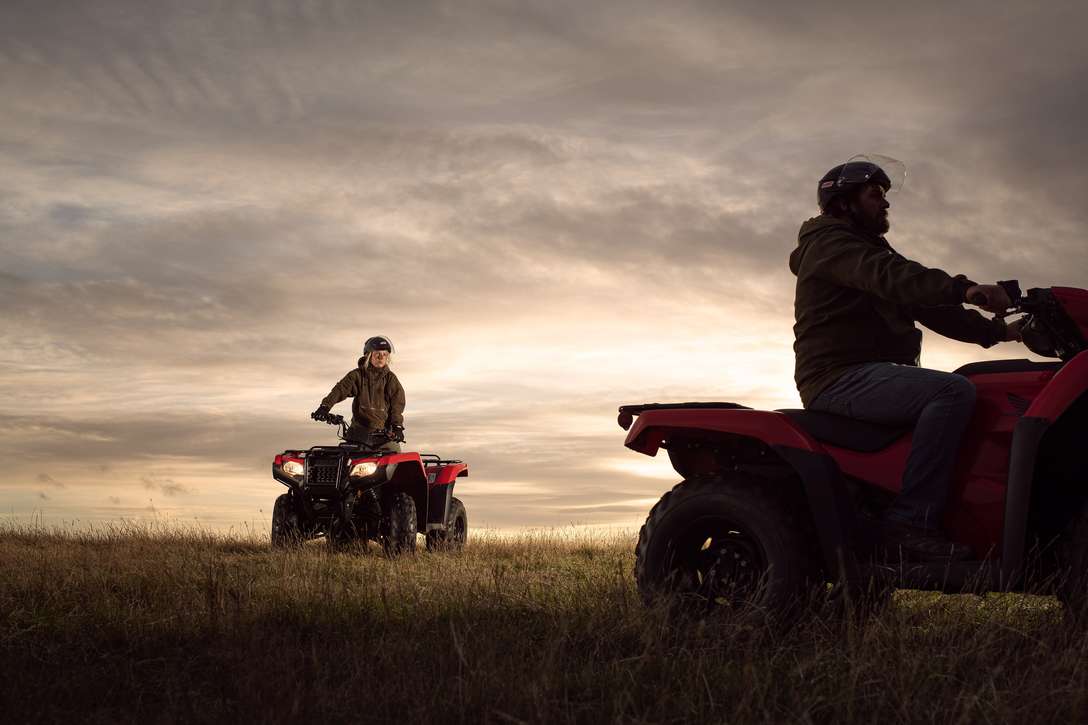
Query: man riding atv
[[378, 397], [857, 347]]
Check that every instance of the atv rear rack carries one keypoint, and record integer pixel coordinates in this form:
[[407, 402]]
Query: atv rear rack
[[628, 412]]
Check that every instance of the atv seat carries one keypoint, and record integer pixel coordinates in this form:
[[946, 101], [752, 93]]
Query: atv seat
[[843, 432]]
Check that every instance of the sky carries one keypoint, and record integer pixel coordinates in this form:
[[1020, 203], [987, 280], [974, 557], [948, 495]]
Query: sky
[[551, 208]]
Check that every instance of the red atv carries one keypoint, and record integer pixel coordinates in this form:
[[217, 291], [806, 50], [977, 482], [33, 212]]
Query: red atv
[[355, 492], [773, 502]]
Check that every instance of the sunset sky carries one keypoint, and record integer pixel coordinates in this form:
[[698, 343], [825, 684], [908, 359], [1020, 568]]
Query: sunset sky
[[551, 208]]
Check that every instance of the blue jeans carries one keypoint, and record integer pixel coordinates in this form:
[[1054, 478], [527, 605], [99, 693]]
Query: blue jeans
[[938, 404]]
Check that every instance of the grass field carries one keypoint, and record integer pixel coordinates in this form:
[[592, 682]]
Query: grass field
[[161, 626]]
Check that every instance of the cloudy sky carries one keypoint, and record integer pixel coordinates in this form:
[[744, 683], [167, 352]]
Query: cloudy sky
[[551, 208]]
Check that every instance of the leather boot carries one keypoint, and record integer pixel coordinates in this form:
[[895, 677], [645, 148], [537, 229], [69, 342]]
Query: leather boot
[[914, 543]]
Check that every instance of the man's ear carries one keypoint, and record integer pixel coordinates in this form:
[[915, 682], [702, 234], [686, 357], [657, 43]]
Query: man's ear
[[841, 206]]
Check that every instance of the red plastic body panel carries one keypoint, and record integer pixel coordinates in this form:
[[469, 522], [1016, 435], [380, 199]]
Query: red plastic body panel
[[1069, 384], [444, 475], [654, 426], [400, 458], [1075, 303], [404, 465], [976, 505]]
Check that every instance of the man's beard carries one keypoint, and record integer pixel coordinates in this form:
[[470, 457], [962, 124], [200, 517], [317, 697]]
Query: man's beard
[[876, 226]]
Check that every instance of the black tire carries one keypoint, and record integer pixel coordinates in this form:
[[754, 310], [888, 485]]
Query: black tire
[[455, 536], [400, 537], [725, 543], [286, 530]]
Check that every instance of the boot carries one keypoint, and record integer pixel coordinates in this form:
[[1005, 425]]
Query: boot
[[913, 543]]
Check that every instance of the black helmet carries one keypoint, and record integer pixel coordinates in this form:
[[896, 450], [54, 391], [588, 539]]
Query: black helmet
[[378, 342], [847, 177]]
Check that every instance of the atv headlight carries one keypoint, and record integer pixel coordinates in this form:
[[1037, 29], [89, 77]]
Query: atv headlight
[[364, 469], [293, 468]]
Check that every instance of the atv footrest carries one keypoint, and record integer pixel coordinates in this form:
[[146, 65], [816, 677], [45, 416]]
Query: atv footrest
[[957, 577]]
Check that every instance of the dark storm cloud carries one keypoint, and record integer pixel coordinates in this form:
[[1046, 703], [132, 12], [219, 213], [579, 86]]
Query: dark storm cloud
[[205, 207]]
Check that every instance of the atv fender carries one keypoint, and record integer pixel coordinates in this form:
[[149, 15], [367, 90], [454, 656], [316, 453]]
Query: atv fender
[[449, 473], [827, 498], [405, 472], [654, 427], [1059, 398], [440, 493], [1067, 385]]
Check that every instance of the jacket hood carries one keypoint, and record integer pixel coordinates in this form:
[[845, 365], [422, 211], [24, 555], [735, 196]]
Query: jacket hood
[[813, 228]]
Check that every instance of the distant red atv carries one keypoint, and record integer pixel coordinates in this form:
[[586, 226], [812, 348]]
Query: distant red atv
[[773, 502], [357, 492]]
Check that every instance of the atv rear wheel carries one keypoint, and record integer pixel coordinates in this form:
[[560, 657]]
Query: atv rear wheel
[[286, 531], [456, 533], [723, 543], [401, 528]]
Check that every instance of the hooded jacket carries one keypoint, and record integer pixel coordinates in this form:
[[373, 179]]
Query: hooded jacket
[[857, 301], [378, 398]]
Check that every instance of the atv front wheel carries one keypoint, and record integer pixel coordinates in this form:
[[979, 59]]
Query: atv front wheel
[[456, 533], [726, 543], [401, 535], [286, 531]]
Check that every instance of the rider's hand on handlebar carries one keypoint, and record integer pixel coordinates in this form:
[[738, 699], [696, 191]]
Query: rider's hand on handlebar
[[396, 432], [1012, 330], [322, 413], [990, 297]]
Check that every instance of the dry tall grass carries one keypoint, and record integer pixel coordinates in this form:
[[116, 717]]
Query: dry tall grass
[[154, 626]]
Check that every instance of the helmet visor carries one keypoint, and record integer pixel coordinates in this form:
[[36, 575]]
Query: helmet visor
[[863, 168]]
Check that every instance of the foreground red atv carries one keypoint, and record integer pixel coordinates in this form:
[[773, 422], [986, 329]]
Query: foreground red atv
[[774, 502], [355, 492]]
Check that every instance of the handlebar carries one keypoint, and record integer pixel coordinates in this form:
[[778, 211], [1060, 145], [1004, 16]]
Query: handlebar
[[982, 298], [1012, 289], [394, 434]]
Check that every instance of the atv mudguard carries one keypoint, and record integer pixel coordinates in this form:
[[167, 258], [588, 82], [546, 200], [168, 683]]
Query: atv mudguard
[[404, 472], [431, 487], [1057, 406], [777, 443], [440, 480], [1067, 385]]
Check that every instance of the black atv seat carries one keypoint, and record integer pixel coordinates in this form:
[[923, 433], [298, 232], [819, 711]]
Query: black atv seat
[[843, 432], [988, 367]]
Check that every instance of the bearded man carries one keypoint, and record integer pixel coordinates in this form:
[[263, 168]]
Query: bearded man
[[857, 347]]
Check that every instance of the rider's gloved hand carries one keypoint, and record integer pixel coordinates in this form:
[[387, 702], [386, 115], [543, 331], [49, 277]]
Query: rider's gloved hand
[[990, 297], [1013, 330], [396, 432], [322, 413]]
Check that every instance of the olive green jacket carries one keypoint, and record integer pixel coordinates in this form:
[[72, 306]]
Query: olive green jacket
[[378, 398], [857, 301]]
